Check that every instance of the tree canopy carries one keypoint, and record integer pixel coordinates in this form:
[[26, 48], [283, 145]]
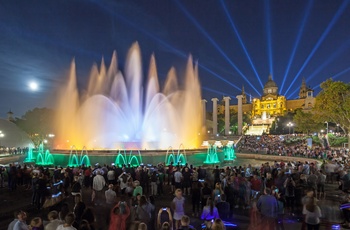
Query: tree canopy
[[37, 123], [333, 104]]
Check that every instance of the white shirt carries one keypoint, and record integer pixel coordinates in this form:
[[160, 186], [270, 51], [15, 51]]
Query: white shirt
[[53, 224], [98, 183], [110, 196], [61, 227], [178, 176], [312, 217]]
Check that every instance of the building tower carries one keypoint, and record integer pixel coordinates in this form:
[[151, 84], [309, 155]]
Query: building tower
[[244, 96], [10, 116], [303, 90], [270, 87]]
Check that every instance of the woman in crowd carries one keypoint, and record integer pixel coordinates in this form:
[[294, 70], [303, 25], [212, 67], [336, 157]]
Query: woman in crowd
[[178, 207], [210, 212], [312, 214], [119, 214]]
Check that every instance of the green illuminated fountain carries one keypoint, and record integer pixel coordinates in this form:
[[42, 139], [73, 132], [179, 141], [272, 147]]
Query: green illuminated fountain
[[229, 153], [30, 156], [45, 159], [212, 155], [124, 159], [178, 159], [75, 160]]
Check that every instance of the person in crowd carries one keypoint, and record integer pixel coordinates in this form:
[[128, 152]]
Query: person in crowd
[[123, 181], [205, 194], [12, 224], [186, 184], [79, 208], [111, 176], [177, 178], [223, 208], [118, 216], [21, 223], [76, 186], [218, 224], [142, 226], [166, 226], [90, 217], [178, 207], [268, 208], [68, 222], [164, 216], [53, 221], [154, 185], [63, 212], [84, 225], [144, 210], [321, 180], [312, 214], [196, 198], [36, 224], [217, 192], [289, 194], [185, 223], [138, 189], [98, 185], [110, 195], [210, 212]]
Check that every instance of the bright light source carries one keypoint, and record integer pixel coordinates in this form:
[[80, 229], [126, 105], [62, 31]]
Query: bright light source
[[33, 86]]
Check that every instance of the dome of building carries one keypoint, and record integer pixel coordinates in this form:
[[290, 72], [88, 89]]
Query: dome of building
[[270, 83], [12, 136]]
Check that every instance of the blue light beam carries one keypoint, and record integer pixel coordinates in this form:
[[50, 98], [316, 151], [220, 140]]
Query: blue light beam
[[268, 33], [200, 28], [336, 76], [240, 41], [163, 43], [300, 32], [320, 40]]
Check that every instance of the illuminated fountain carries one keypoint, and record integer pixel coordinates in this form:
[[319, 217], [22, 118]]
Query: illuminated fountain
[[82, 159], [118, 111], [212, 155], [30, 157], [124, 159], [45, 159], [229, 153], [178, 158]]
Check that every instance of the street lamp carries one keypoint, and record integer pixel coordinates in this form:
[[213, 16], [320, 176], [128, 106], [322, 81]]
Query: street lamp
[[290, 124]]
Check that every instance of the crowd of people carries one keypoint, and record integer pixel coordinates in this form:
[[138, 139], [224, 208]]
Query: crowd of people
[[289, 145], [129, 194]]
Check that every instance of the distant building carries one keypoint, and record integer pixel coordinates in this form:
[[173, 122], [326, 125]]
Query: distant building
[[264, 110]]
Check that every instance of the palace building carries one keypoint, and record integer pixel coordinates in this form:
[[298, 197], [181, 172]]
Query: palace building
[[270, 105]]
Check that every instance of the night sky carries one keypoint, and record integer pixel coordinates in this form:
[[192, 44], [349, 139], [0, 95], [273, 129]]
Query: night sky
[[235, 43]]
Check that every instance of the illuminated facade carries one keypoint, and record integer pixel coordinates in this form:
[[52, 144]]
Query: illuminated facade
[[264, 110]]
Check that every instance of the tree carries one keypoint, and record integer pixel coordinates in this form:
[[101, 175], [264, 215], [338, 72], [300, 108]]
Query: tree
[[37, 123], [333, 104], [305, 122]]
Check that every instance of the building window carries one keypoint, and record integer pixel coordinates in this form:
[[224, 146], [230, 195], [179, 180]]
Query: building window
[[274, 105]]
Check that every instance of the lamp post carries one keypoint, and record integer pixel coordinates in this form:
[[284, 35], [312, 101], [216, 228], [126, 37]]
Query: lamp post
[[290, 124], [327, 127]]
